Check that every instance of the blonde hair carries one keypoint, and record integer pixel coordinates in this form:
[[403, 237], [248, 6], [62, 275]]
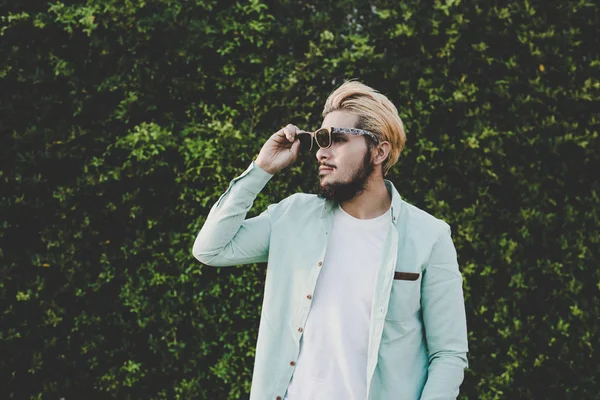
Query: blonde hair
[[376, 113]]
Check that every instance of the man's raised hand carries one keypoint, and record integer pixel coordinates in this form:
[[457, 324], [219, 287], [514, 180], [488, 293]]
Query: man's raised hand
[[280, 150]]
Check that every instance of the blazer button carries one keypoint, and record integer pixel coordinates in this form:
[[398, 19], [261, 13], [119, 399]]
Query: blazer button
[[308, 296], [320, 263], [292, 363], [278, 398]]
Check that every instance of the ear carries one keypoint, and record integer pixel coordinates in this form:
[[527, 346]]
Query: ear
[[381, 153]]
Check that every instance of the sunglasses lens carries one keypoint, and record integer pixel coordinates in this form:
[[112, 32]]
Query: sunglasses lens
[[305, 141], [322, 137]]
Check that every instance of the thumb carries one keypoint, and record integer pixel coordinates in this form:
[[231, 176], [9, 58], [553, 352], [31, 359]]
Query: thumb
[[295, 147]]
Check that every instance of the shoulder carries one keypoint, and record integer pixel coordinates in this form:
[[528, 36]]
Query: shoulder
[[418, 220], [302, 199], [297, 204]]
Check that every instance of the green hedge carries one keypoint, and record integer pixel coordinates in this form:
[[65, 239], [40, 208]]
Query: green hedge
[[121, 123]]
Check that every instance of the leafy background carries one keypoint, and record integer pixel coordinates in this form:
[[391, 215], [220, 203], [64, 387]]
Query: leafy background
[[121, 123]]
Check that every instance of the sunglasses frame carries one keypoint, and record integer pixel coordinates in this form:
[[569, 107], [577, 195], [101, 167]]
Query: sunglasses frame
[[331, 130]]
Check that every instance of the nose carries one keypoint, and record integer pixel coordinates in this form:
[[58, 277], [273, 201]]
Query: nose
[[323, 154]]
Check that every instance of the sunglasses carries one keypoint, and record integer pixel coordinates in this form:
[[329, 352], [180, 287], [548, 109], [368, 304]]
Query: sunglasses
[[323, 137]]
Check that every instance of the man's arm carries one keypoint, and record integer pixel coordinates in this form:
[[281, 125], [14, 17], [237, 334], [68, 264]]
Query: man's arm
[[227, 238], [444, 320]]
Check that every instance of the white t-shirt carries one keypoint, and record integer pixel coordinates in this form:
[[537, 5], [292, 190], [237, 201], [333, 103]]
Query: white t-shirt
[[333, 351]]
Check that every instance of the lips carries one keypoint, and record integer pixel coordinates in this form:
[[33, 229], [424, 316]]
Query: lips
[[325, 170]]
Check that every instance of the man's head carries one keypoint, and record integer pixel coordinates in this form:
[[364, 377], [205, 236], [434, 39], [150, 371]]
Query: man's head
[[346, 166]]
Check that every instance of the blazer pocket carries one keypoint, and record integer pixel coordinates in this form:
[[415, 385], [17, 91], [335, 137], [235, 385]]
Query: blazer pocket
[[406, 276], [405, 298]]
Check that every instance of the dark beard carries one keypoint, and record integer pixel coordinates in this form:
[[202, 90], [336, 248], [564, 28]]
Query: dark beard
[[345, 191]]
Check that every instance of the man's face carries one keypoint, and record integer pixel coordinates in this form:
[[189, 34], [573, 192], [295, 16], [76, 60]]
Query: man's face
[[345, 167]]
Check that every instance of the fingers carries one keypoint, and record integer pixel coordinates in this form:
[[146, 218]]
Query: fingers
[[290, 132]]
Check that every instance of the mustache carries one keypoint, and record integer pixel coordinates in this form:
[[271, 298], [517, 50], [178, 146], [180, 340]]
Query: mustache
[[326, 165]]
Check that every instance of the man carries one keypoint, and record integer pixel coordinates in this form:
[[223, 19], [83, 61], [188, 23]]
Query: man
[[363, 295]]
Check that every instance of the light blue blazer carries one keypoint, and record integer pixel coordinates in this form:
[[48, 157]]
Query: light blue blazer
[[417, 335]]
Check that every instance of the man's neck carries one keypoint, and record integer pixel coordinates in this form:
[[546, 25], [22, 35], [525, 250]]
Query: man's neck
[[374, 201]]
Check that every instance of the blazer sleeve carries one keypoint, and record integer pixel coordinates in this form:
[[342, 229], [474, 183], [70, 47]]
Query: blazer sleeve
[[227, 238], [444, 320]]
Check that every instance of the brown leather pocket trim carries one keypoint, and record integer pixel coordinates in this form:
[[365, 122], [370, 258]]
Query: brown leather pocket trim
[[406, 276]]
